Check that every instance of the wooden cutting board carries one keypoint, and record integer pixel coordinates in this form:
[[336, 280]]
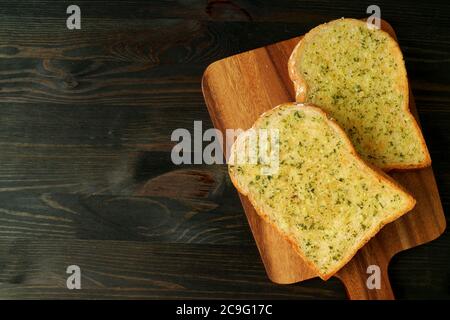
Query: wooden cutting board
[[237, 90]]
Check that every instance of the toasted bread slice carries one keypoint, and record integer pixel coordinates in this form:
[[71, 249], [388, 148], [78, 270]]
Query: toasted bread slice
[[323, 197], [357, 75]]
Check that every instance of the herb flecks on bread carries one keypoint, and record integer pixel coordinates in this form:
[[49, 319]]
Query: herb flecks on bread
[[323, 198], [358, 76]]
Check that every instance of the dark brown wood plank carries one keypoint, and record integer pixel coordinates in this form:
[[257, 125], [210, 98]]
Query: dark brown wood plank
[[182, 206], [237, 10], [134, 270]]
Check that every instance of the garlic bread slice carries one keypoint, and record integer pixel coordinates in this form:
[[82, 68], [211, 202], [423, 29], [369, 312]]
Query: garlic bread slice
[[357, 75], [322, 196]]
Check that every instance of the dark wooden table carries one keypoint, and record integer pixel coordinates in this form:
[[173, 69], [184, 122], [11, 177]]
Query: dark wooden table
[[85, 171]]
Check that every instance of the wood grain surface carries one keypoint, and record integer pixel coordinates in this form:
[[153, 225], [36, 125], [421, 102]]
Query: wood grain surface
[[85, 170], [240, 88]]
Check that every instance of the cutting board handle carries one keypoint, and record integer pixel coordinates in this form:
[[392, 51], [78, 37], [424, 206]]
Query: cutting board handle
[[364, 280]]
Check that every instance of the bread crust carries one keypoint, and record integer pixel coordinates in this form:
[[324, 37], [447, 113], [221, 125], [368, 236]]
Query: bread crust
[[301, 89], [372, 170]]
